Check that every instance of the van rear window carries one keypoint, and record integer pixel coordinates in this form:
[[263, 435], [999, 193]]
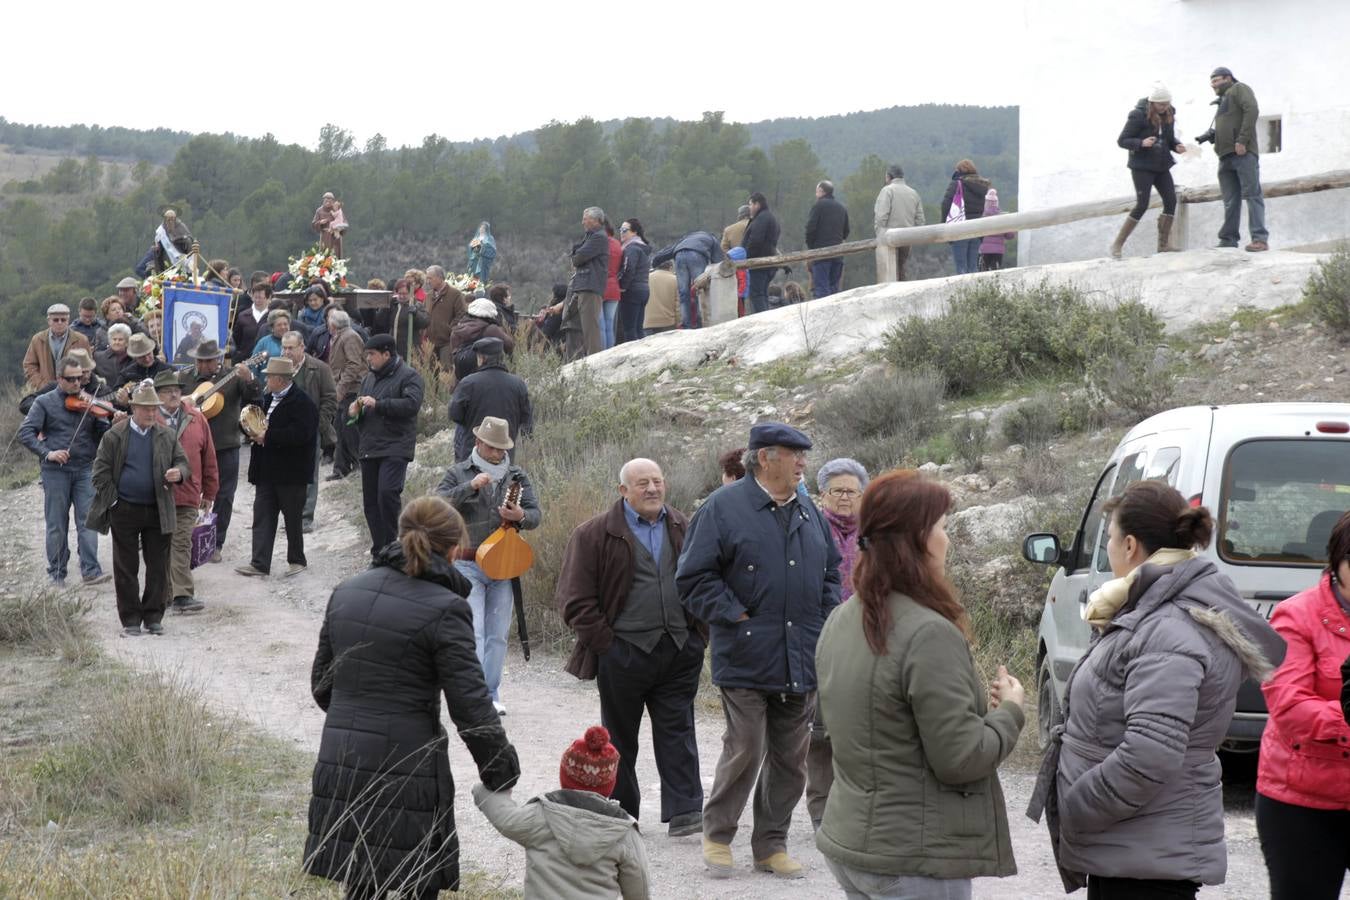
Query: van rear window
[[1281, 498]]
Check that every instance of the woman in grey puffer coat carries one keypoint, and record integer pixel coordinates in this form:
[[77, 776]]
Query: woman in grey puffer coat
[[1137, 783]]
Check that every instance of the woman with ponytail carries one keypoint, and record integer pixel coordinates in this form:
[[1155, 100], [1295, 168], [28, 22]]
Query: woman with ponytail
[[394, 639], [916, 809], [1132, 786]]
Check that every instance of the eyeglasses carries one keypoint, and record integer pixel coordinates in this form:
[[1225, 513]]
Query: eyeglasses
[[843, 493], [623, 228], [70, 378], [58, 318]]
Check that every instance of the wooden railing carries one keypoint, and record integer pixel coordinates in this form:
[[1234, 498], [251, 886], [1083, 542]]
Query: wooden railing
[[1020, 221]]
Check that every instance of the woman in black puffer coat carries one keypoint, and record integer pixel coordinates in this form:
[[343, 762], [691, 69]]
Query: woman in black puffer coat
[[394, 638], [1150, 136]]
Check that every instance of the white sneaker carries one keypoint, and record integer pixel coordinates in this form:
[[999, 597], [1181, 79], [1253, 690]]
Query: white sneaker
[[501, 710]]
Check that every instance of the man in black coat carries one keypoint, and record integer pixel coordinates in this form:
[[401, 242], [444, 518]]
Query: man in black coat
[[826, 226], [760, 240], [280, 467], [490, 391], [386, 411]]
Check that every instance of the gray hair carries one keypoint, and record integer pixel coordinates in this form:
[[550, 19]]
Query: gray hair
[[751, 458], [435, 270], [340, 319], [743, 212], [827, 187], [841, 466], [594, 212], [300, 338], [121, 329], [894, 171], [623, 470]]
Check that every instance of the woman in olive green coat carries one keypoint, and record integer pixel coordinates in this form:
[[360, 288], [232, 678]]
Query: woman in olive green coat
[[916, 809]]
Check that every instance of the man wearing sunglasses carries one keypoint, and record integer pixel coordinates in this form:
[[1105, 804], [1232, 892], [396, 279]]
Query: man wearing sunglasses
[[64, 442], [49, 345]]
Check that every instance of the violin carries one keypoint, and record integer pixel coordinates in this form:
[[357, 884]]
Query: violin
[[85, 403]]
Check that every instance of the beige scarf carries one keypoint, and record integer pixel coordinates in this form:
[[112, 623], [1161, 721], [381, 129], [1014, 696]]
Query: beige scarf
[[1107, 600]]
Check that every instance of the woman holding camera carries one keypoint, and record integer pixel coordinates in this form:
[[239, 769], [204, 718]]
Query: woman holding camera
[[1150, 136], [1303, 778], [1132, 785]]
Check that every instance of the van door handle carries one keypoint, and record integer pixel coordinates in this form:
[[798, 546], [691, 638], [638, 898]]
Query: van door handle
[[1082, 596]]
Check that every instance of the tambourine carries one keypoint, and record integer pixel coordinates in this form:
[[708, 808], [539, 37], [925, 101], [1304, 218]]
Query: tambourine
[[253, 421]]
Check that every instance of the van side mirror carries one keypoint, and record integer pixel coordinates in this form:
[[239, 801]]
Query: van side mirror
[[1043, 549]]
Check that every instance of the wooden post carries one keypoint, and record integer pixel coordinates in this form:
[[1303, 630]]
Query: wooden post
[[887, 270]]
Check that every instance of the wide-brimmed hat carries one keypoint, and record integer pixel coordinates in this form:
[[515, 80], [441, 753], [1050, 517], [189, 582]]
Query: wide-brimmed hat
[[81, 356], [495, 433], [167, 378], [144, 395], [207, 350], [129, 282], [139, 345], [280, 365]]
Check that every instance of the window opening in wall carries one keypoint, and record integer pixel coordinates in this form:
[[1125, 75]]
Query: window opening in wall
[[1270, 134]]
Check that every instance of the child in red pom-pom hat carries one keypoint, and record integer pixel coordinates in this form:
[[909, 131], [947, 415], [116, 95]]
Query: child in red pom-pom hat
[[577, 842]]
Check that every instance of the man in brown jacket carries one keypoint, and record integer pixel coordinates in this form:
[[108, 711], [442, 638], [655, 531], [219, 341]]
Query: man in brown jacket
[[444, 305], [617, 592], [348, 364], [49, 345], [732, 234]]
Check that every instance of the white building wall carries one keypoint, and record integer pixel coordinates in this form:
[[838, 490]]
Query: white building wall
[[1087, 64]]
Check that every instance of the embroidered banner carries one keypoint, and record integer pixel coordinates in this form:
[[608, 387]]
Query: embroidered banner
[[193, 315]]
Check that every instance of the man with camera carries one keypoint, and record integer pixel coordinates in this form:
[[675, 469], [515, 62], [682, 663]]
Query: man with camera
[[1233, 134]]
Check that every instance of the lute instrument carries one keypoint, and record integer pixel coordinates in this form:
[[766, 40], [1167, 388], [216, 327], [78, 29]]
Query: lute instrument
[[504, 555], [206, 396]]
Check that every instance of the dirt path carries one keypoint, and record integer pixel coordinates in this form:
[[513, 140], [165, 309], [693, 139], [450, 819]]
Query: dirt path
[[250, 652]]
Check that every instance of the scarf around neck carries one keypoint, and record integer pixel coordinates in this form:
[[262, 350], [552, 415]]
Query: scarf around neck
[[496, 470], [1107, 600]]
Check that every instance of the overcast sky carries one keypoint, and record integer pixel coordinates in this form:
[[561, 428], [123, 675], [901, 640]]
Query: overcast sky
[[482, 69]]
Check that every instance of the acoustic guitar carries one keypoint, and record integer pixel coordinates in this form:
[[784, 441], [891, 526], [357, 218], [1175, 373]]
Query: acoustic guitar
[[206, 396], [504, 554]]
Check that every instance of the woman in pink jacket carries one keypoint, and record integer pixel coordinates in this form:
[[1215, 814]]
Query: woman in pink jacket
[[1303, 779]]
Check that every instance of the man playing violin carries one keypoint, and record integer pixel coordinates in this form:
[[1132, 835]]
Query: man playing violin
[[63, 430], [240, 390]]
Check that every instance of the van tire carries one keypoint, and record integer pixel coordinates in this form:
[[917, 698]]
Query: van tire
[[1048, 713]]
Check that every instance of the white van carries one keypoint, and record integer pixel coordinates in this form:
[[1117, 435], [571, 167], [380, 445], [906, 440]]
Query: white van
[[1276, 476]]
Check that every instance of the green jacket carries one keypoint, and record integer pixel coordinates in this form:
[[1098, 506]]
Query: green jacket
[[916, 750], [1235, 122], [166, 453]]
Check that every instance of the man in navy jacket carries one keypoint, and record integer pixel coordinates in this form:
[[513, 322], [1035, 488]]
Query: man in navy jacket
[[760, 568]]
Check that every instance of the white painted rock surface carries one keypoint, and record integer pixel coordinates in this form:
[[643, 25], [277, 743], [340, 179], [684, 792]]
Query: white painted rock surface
[[1184, 288]]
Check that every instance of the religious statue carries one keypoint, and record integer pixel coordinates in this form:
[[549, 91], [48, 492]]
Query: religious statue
[[482, 251], [330, 222], [172, 240]]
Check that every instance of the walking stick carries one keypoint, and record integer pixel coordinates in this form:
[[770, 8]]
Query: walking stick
[[522, 629]]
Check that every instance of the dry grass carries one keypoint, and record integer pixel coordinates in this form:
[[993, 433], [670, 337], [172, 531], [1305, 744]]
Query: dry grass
[[17, 465]]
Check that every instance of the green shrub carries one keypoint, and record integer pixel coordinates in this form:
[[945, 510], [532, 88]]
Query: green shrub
[[1035, 423], [48, 621], [1328, 292], [879, 422], [992, 334], [1131, 369], [970, 437]]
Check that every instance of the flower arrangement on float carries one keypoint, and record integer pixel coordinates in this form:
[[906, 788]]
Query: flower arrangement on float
[[466, 283], [317, 266], [152, 289]]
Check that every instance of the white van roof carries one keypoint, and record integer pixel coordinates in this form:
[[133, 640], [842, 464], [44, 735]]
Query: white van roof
[[1256, 418]]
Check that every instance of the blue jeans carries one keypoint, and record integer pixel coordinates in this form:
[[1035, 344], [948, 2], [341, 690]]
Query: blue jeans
[[966, 255], [1239, 180], [827, 277], [491, 602], [608, 309], [757, 289], [62, 487], [688, 266], [632, 310]]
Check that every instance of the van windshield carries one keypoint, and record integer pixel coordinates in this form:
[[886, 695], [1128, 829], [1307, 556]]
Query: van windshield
[[1281, 499]]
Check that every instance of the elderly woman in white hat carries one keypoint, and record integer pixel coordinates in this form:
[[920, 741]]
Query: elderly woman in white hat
[[1150, 136], [481, 320]]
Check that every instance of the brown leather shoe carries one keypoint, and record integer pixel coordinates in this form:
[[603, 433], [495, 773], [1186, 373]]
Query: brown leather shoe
[[1257, 247]]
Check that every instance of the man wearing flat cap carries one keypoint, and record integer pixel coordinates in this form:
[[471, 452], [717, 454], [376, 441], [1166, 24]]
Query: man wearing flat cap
[[478, 487], [49, 345], [194, 494], [760, 568], [385, 410], [138, 464], [1234, 137], [236, 387], [128, 291], [490, 391], [280, 466]]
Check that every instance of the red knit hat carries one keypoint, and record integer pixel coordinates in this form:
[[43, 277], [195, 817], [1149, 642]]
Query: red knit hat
[[590, 764]]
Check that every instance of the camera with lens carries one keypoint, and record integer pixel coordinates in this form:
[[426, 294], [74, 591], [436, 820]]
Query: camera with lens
[[1206, 138]]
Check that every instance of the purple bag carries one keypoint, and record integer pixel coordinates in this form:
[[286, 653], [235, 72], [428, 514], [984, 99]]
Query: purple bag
[[203, 539]]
